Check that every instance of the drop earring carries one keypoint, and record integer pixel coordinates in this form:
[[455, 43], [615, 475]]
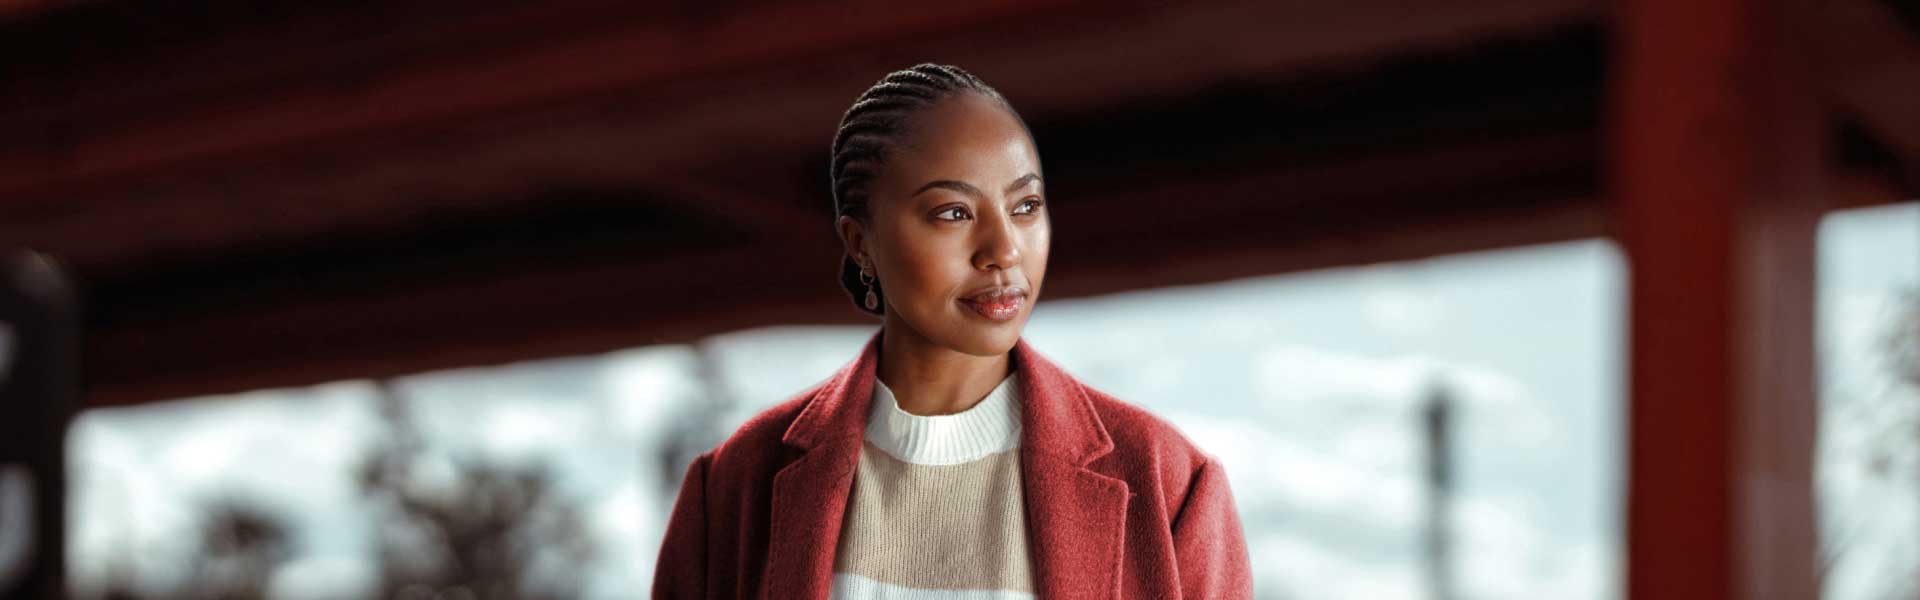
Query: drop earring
[[866, 279]]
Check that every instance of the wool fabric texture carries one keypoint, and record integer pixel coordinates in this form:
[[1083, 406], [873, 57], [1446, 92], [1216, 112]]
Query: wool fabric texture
[[1117, 502]]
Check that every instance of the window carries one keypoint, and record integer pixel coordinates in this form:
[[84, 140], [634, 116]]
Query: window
[[1867, 461]]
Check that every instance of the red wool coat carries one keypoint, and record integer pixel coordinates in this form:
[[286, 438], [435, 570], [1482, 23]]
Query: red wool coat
[[1119, 504]]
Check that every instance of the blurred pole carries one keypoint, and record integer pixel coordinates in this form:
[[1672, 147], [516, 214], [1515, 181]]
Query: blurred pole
[[39, 385], [1718, 144], [1436, 413]]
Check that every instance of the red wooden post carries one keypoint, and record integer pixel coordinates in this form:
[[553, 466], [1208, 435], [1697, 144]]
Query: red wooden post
[[1718, 145]]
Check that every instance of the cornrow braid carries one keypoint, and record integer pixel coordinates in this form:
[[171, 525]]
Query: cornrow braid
[[878, 119]]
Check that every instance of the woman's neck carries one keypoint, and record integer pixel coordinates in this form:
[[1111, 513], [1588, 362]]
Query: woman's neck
[[930, 379]]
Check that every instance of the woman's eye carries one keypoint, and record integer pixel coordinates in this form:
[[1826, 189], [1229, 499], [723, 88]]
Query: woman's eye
[[1028, 207], [957, 212]]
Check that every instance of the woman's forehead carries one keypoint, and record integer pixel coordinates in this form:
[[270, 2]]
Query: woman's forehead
[[967, 136]]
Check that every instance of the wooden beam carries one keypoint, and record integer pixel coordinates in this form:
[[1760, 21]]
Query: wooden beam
[[1719, 143], [585, 310], [562, 310], [1858, 189], [19, 10], [643, 49], [761, 214], [242, 271], [269, 137], [1396, 206], [1869, 64]]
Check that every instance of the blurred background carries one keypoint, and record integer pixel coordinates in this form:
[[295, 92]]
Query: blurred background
[[1473, 299]]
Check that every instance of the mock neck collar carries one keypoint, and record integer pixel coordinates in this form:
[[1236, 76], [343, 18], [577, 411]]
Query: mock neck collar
[[1057, 415], [989, 426]]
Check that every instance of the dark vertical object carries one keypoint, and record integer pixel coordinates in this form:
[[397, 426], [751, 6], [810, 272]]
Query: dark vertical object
[[1718, 148], [38, 390], [1436, 413]]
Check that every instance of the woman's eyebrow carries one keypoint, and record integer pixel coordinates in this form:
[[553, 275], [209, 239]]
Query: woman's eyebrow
[[968, 189], [1022, 181], [948, 184]]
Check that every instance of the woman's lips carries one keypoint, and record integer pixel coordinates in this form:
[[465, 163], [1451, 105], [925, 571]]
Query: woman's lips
[[1002, 308]]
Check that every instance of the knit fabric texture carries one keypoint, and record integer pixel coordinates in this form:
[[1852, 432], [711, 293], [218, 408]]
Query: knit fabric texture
[[936, 511]]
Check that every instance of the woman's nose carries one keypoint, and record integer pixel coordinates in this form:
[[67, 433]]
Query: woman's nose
[[1001, 248]]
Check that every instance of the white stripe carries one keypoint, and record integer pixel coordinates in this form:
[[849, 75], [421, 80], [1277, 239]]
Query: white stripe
[[849, 586]]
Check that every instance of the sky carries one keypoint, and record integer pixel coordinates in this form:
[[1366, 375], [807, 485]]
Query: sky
[[1307, 387]]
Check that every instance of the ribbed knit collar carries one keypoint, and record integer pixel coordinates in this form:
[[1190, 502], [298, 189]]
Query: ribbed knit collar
[[992, 425]]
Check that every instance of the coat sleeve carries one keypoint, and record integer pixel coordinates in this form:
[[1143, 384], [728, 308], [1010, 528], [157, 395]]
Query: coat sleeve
[[1209, 547], [680, 573]]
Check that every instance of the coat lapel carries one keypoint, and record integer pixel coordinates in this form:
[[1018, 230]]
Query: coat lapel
[[809, 500], [810, 494], [1076, 517]]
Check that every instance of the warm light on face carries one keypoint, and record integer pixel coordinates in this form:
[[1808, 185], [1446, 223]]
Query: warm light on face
[[960, 228]]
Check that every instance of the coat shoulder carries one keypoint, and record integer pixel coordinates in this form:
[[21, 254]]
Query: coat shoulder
[[755, 447], [1146, 447]]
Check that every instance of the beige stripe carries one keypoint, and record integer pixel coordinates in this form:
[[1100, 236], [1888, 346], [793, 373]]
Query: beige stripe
[[955, 527]]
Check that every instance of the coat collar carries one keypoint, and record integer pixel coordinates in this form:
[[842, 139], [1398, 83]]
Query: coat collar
[[1075, 517], [1054, 405]]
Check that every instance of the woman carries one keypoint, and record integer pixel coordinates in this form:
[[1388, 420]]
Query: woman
[[949, 460]]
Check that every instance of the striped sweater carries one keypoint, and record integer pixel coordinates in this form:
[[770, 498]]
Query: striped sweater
[[936, 511]]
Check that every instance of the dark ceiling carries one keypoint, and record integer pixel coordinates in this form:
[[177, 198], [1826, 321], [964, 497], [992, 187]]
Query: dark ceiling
[[257, 194]]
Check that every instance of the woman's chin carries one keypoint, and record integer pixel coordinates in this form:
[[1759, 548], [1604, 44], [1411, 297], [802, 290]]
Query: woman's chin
[[981, 338], [962, 331]]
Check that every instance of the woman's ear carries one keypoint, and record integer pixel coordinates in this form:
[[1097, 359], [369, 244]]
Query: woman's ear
[[853, 236]]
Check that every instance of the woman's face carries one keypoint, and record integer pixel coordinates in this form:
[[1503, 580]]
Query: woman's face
[[957, 213]]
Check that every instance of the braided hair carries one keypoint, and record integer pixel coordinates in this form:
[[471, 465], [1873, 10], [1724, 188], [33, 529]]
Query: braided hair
[[877, 120]]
